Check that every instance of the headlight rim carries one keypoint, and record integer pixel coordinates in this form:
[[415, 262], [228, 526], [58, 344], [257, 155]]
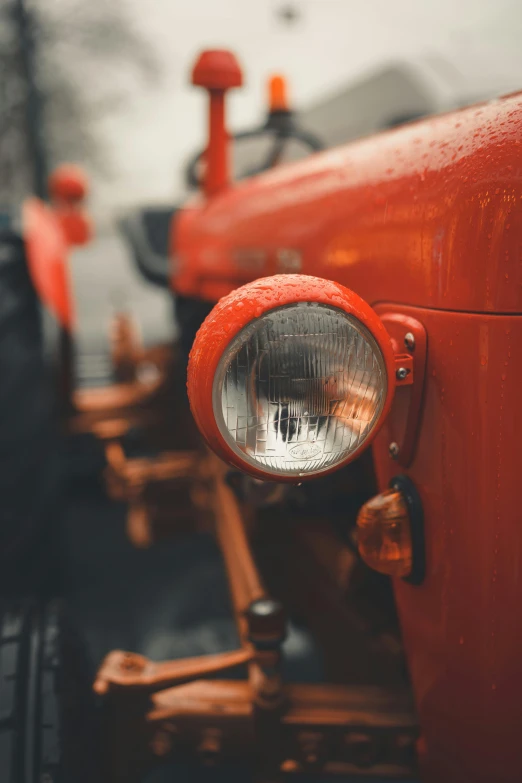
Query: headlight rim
[[233, 313]]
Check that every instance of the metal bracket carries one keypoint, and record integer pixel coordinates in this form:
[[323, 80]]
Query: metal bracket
[[129, 671], [409, 341]]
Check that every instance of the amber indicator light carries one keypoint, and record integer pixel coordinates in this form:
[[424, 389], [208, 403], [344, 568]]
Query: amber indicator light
[[384, 534], [390, 532], [278, 94]]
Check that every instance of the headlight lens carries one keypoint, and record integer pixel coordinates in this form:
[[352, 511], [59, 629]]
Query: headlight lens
[[299, 389]]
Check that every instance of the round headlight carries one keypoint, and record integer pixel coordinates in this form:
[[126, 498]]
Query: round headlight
[[296, 389]]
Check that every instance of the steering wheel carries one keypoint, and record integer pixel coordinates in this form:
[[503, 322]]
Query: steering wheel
[[280, 130]]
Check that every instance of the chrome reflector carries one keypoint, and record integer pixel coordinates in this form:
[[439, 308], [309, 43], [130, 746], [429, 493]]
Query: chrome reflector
[[299, 389]]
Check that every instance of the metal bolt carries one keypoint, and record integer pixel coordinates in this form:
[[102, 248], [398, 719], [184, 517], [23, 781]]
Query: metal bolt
[[393, 450], [402, 373], [266, 623], [409, 341]]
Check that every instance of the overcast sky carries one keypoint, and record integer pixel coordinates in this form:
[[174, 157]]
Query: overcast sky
[[331, 43]]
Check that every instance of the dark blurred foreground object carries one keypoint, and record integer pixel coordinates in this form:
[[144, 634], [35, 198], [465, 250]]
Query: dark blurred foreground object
[[146, 231], [30, 481], [48, 727]]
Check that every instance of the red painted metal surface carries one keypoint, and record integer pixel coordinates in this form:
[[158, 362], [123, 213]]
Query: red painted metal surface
[[237, 310], [75, 224], [426, 215], [462, 626], [47, 251], [50, 232], [429, 218]]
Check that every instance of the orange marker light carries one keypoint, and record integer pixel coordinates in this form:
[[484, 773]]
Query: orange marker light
[[384, 534], [278, 94]]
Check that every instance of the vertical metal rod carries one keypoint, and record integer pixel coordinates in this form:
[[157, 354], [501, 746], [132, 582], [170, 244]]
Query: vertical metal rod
[[244, 580], [217, 175]]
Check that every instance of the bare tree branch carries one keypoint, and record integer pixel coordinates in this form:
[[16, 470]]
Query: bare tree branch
[[90, 56]]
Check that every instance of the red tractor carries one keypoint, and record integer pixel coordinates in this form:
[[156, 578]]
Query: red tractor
[[397, 327], [356, 389]]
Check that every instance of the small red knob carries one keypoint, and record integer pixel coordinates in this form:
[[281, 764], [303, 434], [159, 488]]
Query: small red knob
[[217, 69], [68, 183]]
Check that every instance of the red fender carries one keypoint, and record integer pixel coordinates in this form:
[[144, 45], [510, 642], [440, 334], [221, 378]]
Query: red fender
[[47, 251]]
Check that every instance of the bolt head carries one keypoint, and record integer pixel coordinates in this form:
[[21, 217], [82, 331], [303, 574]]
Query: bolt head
[[393, 450], [266, 622], [409, 341], [401, 373]]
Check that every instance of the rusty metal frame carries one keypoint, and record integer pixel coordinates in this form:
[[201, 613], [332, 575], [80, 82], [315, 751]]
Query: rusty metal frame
[[154, 710], [131, 399], [129, 479]]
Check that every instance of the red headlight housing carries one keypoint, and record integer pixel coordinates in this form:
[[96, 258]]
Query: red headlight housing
[[290, 377]]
